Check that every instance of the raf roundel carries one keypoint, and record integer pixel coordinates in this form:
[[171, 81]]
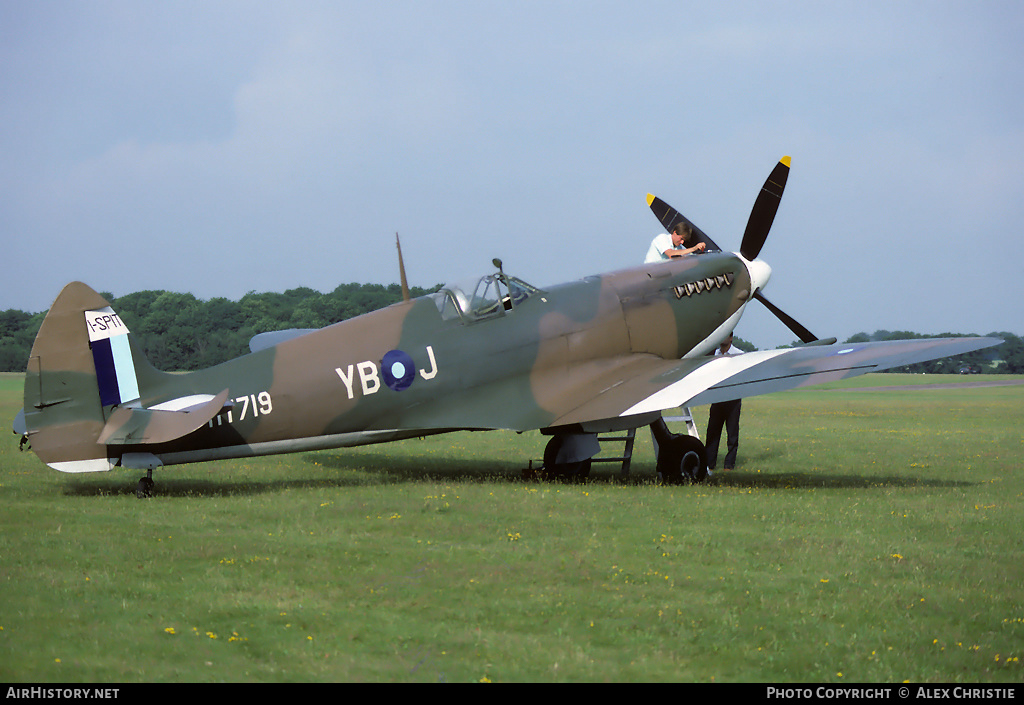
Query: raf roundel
[[398, 370]]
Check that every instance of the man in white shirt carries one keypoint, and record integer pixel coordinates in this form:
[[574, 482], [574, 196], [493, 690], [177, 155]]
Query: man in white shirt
[[679, 243]]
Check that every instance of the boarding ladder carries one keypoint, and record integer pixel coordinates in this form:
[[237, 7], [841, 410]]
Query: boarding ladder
[[629, 438]]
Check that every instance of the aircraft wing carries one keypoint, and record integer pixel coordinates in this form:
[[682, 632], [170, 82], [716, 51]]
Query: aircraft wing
[[657, 385]]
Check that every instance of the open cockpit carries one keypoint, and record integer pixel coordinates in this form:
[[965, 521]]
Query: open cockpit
[[482, 298]]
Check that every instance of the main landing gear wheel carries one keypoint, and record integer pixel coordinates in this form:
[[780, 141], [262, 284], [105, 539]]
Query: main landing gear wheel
[[681, 457], [144, 489], [577, 471]]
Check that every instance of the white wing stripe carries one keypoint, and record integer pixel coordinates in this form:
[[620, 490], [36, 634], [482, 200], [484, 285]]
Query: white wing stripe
[[715, 371]]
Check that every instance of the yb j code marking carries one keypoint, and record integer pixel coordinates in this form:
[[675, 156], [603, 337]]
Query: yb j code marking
[[396, 368]]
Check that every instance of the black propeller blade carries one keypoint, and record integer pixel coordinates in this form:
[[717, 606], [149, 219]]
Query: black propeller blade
[[791, 323], [758, 225], [763, 213], [669, 216]]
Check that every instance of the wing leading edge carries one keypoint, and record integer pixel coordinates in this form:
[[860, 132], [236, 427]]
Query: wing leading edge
[[763, 372]]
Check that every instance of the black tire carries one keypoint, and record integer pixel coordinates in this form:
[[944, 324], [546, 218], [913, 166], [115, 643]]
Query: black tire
[[682, 459], [563, 472], [144, 490]]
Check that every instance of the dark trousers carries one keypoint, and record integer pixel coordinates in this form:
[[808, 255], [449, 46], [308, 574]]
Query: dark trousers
[[725, 413]]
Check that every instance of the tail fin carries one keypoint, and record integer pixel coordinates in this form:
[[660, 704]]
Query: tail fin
[[85, 384], [63, 407]]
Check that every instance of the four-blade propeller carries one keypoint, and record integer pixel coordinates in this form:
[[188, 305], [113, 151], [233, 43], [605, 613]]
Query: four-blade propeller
[[758, 224]]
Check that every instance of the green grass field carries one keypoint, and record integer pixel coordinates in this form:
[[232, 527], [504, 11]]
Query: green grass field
[[865, 536]]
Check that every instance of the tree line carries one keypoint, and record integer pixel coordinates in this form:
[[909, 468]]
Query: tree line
[[180, 332]]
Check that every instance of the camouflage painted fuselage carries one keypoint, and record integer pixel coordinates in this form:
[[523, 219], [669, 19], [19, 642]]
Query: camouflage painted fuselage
[[552, 359]]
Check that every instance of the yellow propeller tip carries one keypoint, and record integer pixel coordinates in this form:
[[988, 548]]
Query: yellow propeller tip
[[785, 160], [650, 198]]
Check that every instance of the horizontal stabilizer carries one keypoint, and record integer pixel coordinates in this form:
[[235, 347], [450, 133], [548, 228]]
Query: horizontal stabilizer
[[132, 426]]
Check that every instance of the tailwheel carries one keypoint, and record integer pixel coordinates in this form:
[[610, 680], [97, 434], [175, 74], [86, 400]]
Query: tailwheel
[[144, 489]]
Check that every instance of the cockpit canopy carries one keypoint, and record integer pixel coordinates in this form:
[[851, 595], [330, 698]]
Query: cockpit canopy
[[482, 298]]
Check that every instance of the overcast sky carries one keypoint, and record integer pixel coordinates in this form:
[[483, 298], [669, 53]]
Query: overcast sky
[[225, 147]]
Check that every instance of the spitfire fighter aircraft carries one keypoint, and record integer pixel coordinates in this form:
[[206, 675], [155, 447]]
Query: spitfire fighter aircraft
[[605, 353]]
